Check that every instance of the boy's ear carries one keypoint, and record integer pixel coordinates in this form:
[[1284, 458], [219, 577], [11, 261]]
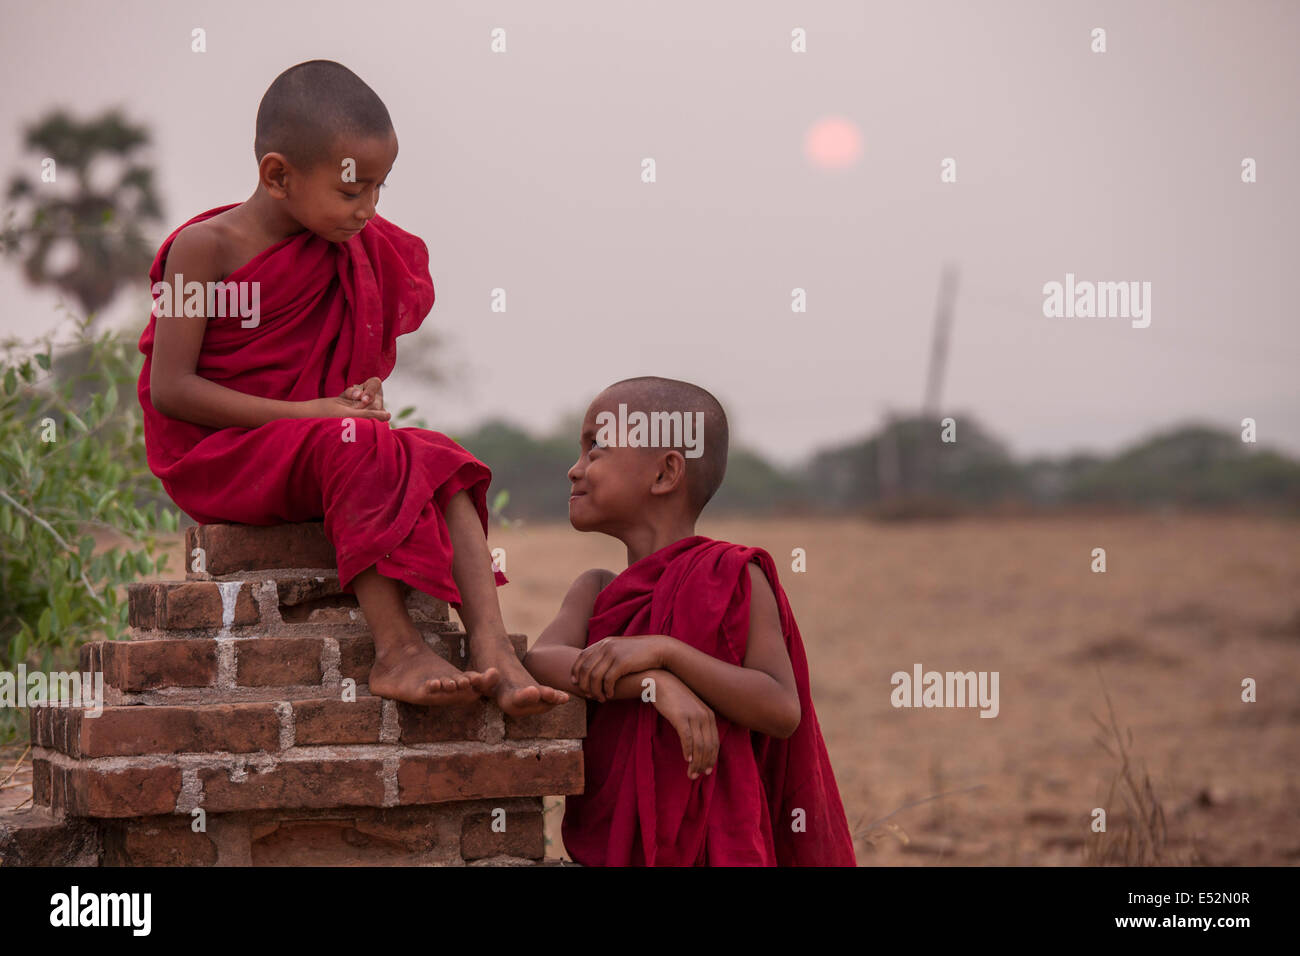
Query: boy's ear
[[670, 473], [273, 170]]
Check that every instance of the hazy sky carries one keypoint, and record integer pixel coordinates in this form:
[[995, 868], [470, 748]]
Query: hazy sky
[[522, 170]]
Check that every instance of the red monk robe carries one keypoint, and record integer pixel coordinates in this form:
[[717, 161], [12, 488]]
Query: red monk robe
[[639, 807], [330, 314]]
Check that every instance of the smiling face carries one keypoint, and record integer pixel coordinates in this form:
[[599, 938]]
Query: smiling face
[[610, 486], [320, 199]]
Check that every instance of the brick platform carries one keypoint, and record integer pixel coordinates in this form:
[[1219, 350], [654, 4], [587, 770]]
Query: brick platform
[[232, 698]]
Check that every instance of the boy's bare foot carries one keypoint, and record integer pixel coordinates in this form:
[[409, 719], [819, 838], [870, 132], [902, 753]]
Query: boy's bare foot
[[413, 673], [516, 693]]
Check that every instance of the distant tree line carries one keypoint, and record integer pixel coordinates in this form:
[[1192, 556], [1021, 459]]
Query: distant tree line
[[904, 469]]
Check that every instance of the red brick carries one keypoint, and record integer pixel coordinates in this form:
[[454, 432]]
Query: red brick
[[188, 606], [467, 776], [89, 657], [371, 837], [300, 589], [428, 725], [415, 828], [48, 726], [296, 783], [229, 548], [277, 661], [143, 601], [321, 843], [522, 836], [37, 726], [304, 598], [55, 727], [41, 788], [135, 666], [157, 841], [195, 728], [199, 605], [337, 721], [356, 657], [137, 791], [568, 721]]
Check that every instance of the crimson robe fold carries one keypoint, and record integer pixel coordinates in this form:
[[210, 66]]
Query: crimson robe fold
[[329, 317], [768, 802]]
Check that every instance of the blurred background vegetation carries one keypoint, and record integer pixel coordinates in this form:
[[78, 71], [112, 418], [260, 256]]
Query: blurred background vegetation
[[903, 470], [72, 457]]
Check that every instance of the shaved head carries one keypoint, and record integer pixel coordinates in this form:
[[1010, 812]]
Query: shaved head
[[649, 393], [311, 107]]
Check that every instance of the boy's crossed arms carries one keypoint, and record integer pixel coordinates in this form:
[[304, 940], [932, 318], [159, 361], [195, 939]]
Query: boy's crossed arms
[[689, 685]]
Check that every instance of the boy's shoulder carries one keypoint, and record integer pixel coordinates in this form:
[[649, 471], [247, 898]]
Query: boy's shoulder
[[210, 245], [753, 553], [219, 245], [596, 579], [758, 562], [724, 558], [587, 585]]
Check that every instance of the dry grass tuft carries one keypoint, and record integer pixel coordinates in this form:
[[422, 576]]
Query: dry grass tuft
[[1139, 836]]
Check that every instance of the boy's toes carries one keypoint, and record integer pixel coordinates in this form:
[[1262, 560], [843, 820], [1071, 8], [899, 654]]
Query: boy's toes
[[526, 696], [529, 699], [436, 686]]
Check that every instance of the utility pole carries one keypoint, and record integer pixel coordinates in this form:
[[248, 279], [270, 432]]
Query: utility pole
[[926, 450], [939, 344]]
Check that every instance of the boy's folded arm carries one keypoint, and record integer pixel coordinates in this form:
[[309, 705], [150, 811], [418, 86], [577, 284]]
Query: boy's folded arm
[[192, 398], [550, 660], [760, 694], [553, 666]]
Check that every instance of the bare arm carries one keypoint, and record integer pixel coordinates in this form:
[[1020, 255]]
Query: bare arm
[[551, 661], [551, 658], [759, 694], [176, 390]]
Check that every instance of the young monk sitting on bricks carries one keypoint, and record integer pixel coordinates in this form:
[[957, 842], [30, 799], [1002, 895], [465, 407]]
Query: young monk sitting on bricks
[[702, 744], [273, 411]]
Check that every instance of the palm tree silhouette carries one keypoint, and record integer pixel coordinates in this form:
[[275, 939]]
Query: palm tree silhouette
[[104, 228]]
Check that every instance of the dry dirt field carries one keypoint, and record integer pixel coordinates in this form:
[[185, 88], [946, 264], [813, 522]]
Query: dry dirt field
[[1188, 607]]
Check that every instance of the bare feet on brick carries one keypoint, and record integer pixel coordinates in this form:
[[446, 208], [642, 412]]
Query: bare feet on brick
[[413, 673], [516, 693]]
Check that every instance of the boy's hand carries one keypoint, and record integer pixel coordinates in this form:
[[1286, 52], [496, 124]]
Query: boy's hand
[[694, 721], [597, 668], [369, 394], [339, 408]]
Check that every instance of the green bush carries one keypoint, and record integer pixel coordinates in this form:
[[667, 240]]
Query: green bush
[[71, 460]]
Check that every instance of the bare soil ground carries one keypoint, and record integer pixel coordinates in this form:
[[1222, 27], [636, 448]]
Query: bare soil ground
[[1188, 607]]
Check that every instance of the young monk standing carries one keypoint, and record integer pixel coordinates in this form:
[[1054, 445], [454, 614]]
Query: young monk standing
[[702, 744], [278, 416]]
